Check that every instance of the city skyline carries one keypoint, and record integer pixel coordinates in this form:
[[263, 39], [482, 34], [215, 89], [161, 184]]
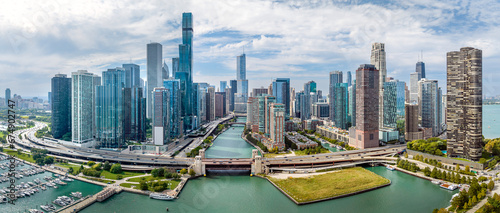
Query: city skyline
[[283, 48]]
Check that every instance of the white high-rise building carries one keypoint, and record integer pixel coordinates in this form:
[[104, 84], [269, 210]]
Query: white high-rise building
[[82, 88], [414, 88], [154, 73]]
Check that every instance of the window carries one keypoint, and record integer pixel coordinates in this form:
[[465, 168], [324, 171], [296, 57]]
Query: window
[[371, 136]]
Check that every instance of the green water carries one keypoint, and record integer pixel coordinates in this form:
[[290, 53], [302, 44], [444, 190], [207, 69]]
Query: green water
[[229, 144], [332, 149], [491, 121], [253, 194], [42, 197]]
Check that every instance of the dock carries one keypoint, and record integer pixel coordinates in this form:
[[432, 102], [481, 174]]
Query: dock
[[90, 199]]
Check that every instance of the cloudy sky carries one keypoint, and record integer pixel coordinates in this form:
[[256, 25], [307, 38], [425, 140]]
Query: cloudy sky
[[300, 39]]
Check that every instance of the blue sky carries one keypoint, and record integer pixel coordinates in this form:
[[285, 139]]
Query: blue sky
[[303, 40]]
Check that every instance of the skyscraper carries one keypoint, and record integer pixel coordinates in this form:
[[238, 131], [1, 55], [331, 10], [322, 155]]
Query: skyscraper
[[223, 85], [220, 104], [234, 90], [7, 96], [185, 73], [154, 72], [210, 103], [420, 69], [256, 92], [61, 105], [109, 105], [240, 99], [277, 125], [134, 119], [81, 107], [174, 105], [429, 104], [378, 59], [394, 102], [281, 90], [411, 123], [367, 104], [414, 78], [161, 119], [164, 71], [352, 104], [464, 103], [132, 75], [175, 65], [268, 101], [341, 105], [335, 77], [349, 79], [308, 99]]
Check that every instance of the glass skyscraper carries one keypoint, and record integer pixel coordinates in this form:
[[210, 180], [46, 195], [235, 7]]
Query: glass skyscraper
[[281, 90], [420, 69], [241, 96], [185, 72], [341, 105], [82, 89], [7, 96], [394, 102], [61, 105], [223, 85], [132, 75], [109, 108], [429, 105], [174, 105], [335, 77]]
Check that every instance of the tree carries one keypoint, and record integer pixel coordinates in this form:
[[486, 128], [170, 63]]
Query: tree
[[161, 172], [90, 163], [491, 185], [48, 160], [143, 185], [457, 168], [155, 172], [19, 151], [97, 167], [192, 172], [467, 169], [116, 168], [70, 170], [106, 166], [183, 171], [474, 199], [119, 177]]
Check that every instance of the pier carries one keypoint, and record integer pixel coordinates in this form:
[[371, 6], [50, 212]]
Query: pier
[[90, 199]]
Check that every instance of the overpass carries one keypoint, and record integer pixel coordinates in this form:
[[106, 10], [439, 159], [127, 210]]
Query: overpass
[[236, 123]]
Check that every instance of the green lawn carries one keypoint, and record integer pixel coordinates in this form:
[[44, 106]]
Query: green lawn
[[109, 175], [67, 166], [331, 184], [303, 152], [129, 185], [23, 156], [462, 159], [148, 178]]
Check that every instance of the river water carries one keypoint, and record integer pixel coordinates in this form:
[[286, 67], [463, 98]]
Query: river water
[[242, 193]]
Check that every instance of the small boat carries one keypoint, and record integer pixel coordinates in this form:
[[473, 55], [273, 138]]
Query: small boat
[[35, 211], [48, 207], [450, 187], [390, 168], [160, 196], [76, 194]]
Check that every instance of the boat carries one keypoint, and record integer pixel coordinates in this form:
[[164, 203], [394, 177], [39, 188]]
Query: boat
[[76, 194], [35, 211], [59, 202], [67, 179], [48, 207], [43, 188], [436, 182], [3, 199], [448, 186], [390, 168], [160, 196]]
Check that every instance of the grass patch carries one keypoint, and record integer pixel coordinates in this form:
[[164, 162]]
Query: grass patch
[[462, 159], [22, 156], [100, 180], [272, 155], [109, 175], [67, 166], [147, 178], [302, 152], [331, 184], [129, 185]]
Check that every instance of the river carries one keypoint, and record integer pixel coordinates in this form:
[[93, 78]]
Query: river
[[242, 193]]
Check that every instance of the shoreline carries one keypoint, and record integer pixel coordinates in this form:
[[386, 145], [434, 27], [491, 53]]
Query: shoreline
[[323, 199]]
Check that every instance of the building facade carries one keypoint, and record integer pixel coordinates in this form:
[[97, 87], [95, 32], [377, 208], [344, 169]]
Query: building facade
[[154, 72], [82, 83], [61, 105], [464, 103], [161, 119]]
